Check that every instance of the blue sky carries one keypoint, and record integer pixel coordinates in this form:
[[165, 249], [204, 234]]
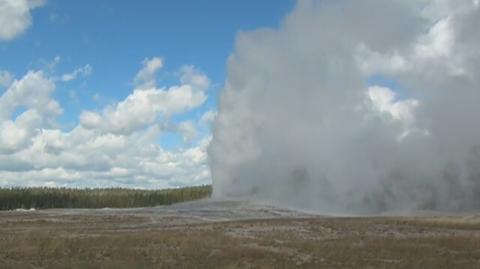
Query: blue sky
[[114, 37], [124, 93], [72, 109]]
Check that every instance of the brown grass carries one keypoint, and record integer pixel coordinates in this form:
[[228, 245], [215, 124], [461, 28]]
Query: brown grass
[[41, 240]]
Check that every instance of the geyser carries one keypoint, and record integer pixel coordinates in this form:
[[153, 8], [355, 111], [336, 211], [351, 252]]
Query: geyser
[[355, 107]]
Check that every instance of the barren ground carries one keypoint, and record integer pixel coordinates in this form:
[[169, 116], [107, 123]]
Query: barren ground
[[213, 234]]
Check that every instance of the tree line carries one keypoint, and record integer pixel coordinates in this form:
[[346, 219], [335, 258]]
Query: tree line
[[42, 197]]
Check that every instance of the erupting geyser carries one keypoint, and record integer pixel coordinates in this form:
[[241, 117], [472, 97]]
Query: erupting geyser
[[355, 107]]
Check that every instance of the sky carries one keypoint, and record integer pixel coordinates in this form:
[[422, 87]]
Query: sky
[[336, 106], [101, 93]]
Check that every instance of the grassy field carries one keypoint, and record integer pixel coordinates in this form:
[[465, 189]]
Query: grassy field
[[130, 239], [42, 198]]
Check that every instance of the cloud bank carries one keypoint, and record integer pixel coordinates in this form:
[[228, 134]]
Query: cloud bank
[[117, 145], [355, 107]]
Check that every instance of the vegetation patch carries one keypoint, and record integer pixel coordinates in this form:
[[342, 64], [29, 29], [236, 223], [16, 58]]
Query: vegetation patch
[[43, 198]]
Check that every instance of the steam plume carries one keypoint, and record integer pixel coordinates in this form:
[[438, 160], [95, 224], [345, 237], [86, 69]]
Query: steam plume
[[355, 107]]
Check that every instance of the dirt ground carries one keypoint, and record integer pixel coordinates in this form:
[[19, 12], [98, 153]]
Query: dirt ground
[[214, 234]]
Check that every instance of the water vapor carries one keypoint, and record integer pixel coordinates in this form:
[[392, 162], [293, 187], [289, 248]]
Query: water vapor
[[355, 107]]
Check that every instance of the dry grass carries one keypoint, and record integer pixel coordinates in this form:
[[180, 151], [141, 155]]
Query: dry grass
[[41, 240]]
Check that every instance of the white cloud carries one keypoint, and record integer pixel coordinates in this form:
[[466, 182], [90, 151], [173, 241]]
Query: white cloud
[[33, 91], [371, 62], [15, 135], [208, 117], [90, 120], [145, 78], [86, 158], [434, 47], [438, 42], [81, 71], [144, 107], [188, 130], [385, 101], [191, 76], [117, 146], [147, 106], [15, 17]]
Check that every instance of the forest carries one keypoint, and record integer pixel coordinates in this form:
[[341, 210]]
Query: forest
[[43, 198]]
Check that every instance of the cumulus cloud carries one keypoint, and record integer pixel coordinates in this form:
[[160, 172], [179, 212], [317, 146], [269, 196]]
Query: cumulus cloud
[[15, 17], [147, 106], [144, 107], [298, 123], [90, 120], [16, 134], [145, 78], [115, 146], [384, 100], [32, 92], [188, 130], [191, 76], [208, 117]]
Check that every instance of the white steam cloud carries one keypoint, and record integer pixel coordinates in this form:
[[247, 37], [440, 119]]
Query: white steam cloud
[[355, 107]]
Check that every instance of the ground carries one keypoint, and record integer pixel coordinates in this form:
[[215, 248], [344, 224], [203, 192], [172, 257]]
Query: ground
[[220, 234]]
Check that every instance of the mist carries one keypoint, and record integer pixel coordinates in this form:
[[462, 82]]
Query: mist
[[354, 107]]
